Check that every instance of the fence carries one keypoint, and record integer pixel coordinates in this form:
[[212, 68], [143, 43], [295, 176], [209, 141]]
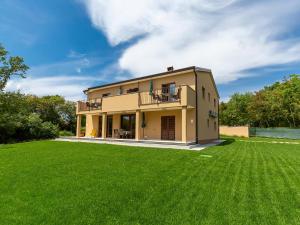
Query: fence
[[277, 132]]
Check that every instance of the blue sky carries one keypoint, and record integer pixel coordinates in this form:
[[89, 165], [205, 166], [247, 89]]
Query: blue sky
[[73, 44]]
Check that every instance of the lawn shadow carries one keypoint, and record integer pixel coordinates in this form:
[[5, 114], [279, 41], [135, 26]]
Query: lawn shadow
[[227, 141]]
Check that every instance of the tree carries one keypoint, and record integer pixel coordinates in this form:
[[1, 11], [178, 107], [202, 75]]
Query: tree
[[10, 66], [235, 111], [26, 117], [277, 105]]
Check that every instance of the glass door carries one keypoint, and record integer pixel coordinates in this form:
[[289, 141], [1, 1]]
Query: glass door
[[128, 126], [109, 126]]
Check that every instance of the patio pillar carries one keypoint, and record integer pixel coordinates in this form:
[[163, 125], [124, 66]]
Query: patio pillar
[[78, 127], [183, 124], [104, 120], [137, 124]]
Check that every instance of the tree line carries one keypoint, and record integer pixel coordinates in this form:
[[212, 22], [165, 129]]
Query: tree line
[[277, 105], [26, 117]]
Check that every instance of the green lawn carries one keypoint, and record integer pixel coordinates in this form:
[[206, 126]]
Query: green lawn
[[47, 182]]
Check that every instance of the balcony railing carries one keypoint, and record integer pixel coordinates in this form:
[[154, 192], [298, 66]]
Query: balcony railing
[[163, 95], [93, 104], [177, 96]]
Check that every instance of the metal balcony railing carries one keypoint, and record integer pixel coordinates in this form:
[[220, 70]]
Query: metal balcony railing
[[90, 105], [163, 95]]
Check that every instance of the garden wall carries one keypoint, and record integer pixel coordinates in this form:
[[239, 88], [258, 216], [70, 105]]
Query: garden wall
[[241, 131]]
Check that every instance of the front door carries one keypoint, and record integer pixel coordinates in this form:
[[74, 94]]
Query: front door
[[168, 128], [109, 126]]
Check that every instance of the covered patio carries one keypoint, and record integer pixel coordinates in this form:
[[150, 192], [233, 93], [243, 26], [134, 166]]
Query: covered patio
[[168, 125]]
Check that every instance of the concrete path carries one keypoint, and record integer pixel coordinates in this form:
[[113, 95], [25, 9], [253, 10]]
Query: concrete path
[[195, 147]]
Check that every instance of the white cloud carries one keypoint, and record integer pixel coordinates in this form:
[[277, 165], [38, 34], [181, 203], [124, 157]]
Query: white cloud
[[226, 36], [70, 87], [73, 54], [66, 82], [64, 67]]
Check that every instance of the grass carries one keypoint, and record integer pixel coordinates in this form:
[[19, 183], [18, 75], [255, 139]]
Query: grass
[[47, 182]]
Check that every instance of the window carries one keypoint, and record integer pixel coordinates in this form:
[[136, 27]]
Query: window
[[215, 102], [215, 125], [106, 94], [208, 123], [120, 91], [203, 92], [132, 90], [208, 95]]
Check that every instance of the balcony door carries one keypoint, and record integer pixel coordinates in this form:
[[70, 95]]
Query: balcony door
[[168, 128], [168, 91]]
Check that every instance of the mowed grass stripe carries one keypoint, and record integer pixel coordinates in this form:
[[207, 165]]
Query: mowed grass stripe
[[278, 187], [288, 189]]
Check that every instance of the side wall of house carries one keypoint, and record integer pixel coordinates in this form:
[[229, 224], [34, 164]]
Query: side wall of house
[[208, 127]]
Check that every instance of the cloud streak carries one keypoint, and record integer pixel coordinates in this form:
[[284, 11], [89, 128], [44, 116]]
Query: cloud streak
[[229, 37], [67, 78]]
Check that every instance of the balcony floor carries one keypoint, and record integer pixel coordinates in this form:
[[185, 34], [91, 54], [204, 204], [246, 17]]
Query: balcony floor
[[143, 143]]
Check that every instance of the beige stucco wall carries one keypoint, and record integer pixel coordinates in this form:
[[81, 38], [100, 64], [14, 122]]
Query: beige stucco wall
[[191, 125], [153, 124], [120, 103], [92, 122], [240, 131], [206, 133]]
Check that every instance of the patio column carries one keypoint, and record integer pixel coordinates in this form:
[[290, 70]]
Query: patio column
[[104, 120], [183, 124], [78, 127], [137, 124]]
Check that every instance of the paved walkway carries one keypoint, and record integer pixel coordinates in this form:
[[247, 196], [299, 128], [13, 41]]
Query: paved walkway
[[194, 147]]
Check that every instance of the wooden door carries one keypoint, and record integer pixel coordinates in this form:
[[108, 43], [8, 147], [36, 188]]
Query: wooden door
[[168, 128]]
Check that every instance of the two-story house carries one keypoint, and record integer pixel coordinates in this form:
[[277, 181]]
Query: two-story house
[[178, 105]]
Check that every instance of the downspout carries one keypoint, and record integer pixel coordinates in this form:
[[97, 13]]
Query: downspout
[[196, 87]]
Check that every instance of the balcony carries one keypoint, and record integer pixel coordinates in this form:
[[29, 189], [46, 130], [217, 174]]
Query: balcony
[[163, 95], [91, 105], [159, 98]]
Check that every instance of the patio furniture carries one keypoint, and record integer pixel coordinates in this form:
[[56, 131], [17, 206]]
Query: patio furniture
[[121, 133], [116, 133]]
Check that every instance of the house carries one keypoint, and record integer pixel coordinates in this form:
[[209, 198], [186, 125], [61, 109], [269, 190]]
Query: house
[[177, 105]]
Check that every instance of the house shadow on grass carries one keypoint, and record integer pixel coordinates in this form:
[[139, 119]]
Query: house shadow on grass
[[227, 141]]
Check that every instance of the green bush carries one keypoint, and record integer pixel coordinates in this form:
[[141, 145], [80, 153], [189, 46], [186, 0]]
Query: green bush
[[39, 129], [27, 117], [65, 133]]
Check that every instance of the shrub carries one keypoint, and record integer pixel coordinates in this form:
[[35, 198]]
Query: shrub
[[65, 133], [39, 129]]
